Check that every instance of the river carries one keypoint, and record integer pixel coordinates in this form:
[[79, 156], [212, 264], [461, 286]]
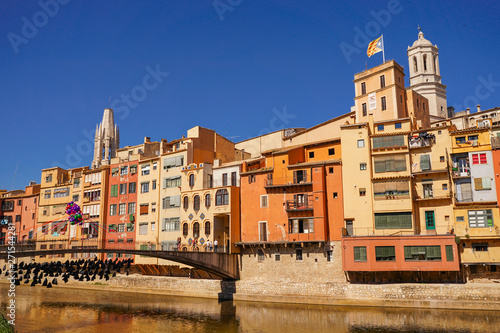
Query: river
[[78, 310]]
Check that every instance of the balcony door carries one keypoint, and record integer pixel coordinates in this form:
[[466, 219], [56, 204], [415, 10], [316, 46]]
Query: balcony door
[[262, 231]]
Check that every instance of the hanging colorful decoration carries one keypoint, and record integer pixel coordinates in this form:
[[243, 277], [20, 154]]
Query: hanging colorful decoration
[[75, 214]]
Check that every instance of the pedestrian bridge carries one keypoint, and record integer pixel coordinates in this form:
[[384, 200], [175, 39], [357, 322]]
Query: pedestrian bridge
[[224, 265]]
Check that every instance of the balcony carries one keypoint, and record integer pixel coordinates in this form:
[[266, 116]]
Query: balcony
[[495, 142], [421, 141], [455, 173], [300, 205], [297, 180]]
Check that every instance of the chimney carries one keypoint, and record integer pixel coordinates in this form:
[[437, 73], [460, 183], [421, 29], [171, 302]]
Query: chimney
[[216, 162], [370, 121], [147, 139], [467, 111], [478, 107]]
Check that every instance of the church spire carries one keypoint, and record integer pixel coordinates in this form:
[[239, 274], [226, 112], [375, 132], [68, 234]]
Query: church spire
[[106, 140]]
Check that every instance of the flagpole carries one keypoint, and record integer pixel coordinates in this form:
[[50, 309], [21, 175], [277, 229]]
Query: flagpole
[[383, 48]]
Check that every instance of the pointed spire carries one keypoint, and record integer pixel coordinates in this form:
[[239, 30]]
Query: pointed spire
[[106, 138]]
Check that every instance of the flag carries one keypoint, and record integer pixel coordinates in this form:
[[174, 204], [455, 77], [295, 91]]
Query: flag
[[375, 46]]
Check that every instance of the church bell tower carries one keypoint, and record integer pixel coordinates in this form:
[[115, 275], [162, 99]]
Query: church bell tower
[[107, 140]]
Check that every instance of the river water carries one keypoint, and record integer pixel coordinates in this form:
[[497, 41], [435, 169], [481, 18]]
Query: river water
[[78, 310]]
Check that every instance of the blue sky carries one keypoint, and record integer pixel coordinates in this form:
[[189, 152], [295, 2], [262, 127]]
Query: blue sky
[[229, 65]]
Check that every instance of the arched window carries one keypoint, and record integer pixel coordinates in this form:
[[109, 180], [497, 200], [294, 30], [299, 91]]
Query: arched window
[[208, 200], [186, 203], [196, 230], [207, 228], [415, 64], [196, 203], [191, 180], [185, 229], [425, 62], [221, 197]]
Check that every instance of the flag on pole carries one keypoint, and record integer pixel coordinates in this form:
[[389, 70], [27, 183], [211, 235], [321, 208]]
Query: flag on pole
[[375, 46]]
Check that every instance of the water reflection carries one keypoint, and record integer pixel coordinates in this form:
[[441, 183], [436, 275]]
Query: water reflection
[[65, 310]]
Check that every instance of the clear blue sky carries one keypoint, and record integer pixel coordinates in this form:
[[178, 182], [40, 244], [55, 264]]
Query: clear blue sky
[[229, 64]]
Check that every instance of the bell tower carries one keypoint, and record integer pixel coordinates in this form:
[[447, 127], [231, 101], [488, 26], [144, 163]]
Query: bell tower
[[107, 140], [425, 78]]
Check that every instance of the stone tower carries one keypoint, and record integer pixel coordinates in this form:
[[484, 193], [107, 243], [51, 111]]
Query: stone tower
[[107, 140], [425, 77]]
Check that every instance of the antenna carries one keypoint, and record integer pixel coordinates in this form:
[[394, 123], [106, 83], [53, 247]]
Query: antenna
[[419, 29]]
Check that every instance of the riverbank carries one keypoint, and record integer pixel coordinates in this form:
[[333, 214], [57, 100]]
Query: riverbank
[[472, 296]]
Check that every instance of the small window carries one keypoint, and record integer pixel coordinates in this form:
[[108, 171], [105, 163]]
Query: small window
[[364, 109], [441, 159], [380, 128], [361, 143], [362, 192], [329, 255], [330, 170], [311, 154], [263, 201], [207, 228], [191, 180], [185, 229], [362, 166], [359, 253], [460, 219], [185, 202], [298, 254], [331, 151], [277, 257], [401, 98], [383, 103], [382, 81], [363, 88], [397, 125], [480, 247], [449, 252], [207, 200], [445, 187], [335, 196], [261, 255]]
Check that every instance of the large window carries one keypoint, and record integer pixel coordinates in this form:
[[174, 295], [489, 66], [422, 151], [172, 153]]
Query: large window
[[263, 231], [185, 229], [145, 187], [224, 179], [131, 187], [145, 169], [393, 221], [483, 183], [143, 228], [222, 197], [185, 202], [122, 209], [63, 192], [124, 170], [301, 226], [359, 253], [422, 253], [112, 209], [449, 252], [385, 253], [191, 180], [171, 224], [480, 218], [391, 190], [196, 202], [196, 230], [123, 188], [479, 158], [171, 182], [388, 141], [171, 202], [208, 200], [389, 163], [173, 162], [131, 208], [233, 179]]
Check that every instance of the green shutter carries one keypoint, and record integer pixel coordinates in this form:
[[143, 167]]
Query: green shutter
[[114, 190], [425, 162], [377, 142], [379, 165], [360, 253], [449, 252], [144, 247], [408, 252], [399, 140], [433, 252], [131, 217]]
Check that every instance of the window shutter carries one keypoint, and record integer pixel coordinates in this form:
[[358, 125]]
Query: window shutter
[[408, 252], [114, 190], [486, 183], [449, 252], [144, 209], [482, 158], [478, 183], [379, 165], [425, 163], [399, 140], [475, 159]]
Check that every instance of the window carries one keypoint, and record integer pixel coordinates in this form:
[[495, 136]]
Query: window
[[382, 81], [363, 88], [422, 253], [330, 170], [480, 218], [131, 208], [145, 187], [277, 257], [196, 202], [423, 105], [191, 180], [153, 184], [114, 172], [207, 228], [301, 226], [362, 192], [144, 209], [329, 255], [479, 158], [425, 62], [425, 162], [385, 253], [143, 228], [145, 169], [263, 231], [171, 224], [185, 229], [449, 252], [224, 179], [430, 223], [362, 166], [363, 106], [441, 159], [185, 203], [123, 188], [18, 218], [311, 154], [131, 187], [480, 247], [331, 151], [133, 169], [263, 201], [114, 191], [171, 182], [383, 103], [112, 210], [380, 127], [359, 253], [208, 200], [196, 230], [460, 139], [48, 178], [298, 254], [393, 221], [155, 165], [121, 227], [76, 197], [390, 163], [221, 197], [397, 125], [122, 209], [428, 192], [173, 162], [483, 183], [300, 176], [361, 143], [261, 255], [251, 179], [76, 183], [130, 228], [64, 192], [233, 179], [460, 219], [335, 195], [445, 187], [124, 170]]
